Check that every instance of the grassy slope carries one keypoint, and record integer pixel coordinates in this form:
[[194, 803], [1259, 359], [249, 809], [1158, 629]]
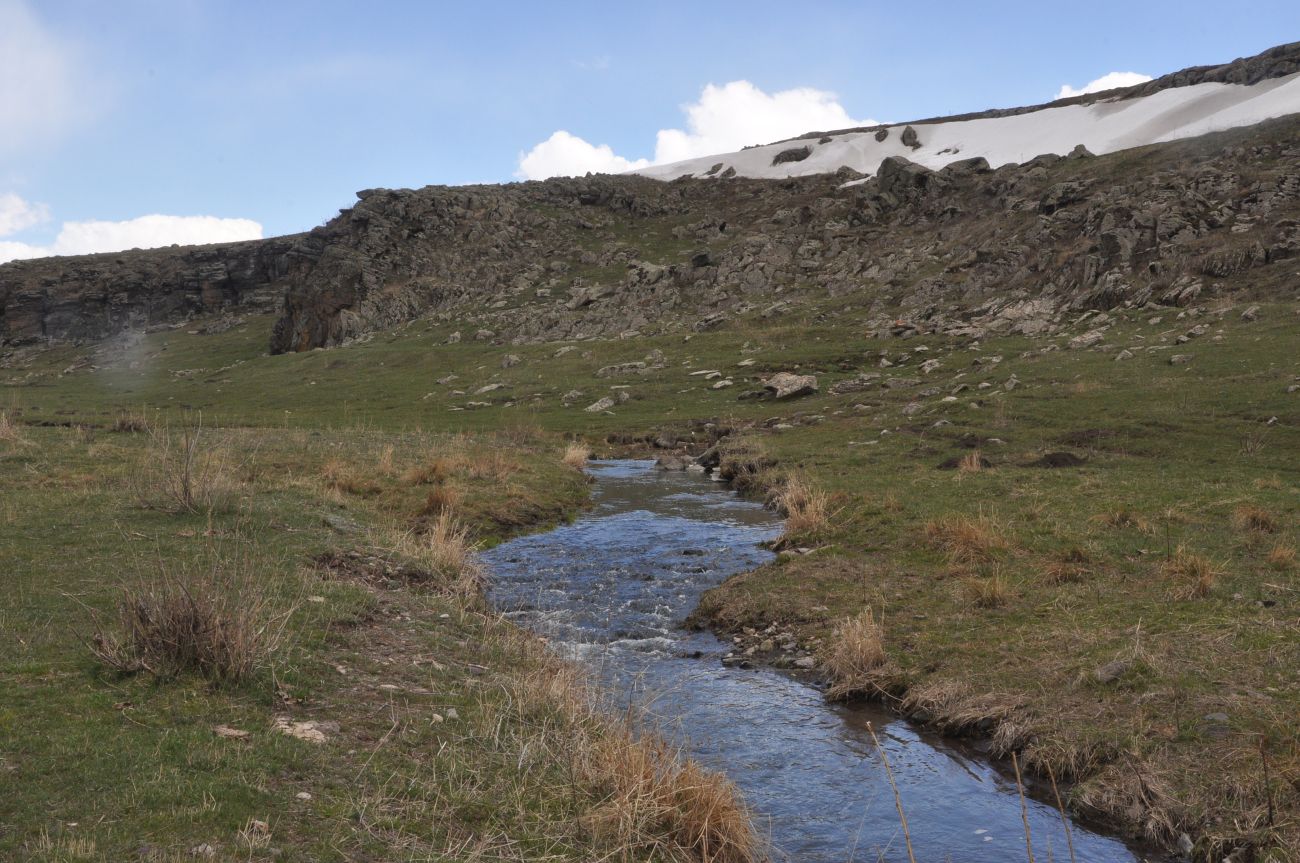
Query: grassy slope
[[1181, 447]]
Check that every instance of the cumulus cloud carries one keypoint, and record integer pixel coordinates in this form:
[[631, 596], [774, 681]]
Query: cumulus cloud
[[39, 80], [723, 119], [566, 155], [145, 232], [17, 215], [1106, 82]]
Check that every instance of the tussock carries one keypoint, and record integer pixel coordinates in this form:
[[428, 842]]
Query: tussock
[[806, 510], [1249, 517], [447, 556], [576, 455], [10, 431], [1194, 575], [341, 477], [990, 591], [972, 462], [216, 621], [430, 473], [855, 658], [1281, 556], [967, 540], [131, 423]]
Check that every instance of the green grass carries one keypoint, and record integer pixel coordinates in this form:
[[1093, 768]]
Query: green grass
[[1177, 447]]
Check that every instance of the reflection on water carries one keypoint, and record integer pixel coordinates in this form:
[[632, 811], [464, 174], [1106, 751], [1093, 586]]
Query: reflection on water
[[613, 588]]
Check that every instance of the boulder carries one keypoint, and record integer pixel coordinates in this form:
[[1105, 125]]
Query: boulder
[[785, 385], [602, 404], [910, 138]]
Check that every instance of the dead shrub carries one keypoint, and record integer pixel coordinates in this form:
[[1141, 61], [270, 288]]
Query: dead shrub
[[806, 510], [182, 472], [1194, 574], [855, 658], [1281, 556], [1254, 518], [215, 620], [990, 591], [967, 540], [576, 455]]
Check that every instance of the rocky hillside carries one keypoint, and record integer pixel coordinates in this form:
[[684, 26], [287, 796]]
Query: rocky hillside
[[963, 248]]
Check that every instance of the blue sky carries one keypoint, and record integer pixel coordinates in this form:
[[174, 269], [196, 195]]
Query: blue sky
[[278, 111]]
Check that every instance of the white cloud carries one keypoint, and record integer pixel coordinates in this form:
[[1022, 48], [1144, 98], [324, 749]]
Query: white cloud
[[1106, 82], [39, 81], [565, 155], [146, 232], [17, 215], [725, 118]]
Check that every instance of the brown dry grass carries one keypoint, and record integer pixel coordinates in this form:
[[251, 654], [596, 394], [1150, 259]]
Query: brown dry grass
[[806, 510], [131, 423], [447, 556], [430, 473], [1281, 556], [990, 591], [972, 462], [968, 540], [855, 659], [216, 620], [644, 799], [10, 431], [1249, 517], [1193, 574], [1125, 518], [576, 455], [341, 477]]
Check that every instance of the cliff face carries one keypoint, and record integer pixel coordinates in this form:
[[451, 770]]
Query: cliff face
[[95, 296]]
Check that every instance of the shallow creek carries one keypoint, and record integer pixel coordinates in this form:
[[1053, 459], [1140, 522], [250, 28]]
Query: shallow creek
[[613, 587]]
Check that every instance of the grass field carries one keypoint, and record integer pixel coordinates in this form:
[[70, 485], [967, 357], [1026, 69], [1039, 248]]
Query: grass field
[[1104, 580]]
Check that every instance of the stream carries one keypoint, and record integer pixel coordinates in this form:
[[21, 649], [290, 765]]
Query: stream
[[613, 587]]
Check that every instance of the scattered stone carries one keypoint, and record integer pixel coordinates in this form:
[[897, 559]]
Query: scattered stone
[[488, 388], [313, 731], [341, 524], [603, 404], [303, 795], [1112, 671], [230, 733], [1250, 314], [1125, 354], [670, 463], [1180, 359], [510, 361], [723, 384], [619, 369], [807, 661], [929, 366], [203, 850], [454, 338]]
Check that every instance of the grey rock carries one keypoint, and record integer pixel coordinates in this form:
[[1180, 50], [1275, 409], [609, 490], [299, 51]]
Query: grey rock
[[785, 385], [602, 404]]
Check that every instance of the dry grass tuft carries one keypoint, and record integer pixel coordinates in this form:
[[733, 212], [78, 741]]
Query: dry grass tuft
[[131, 423], [446, 555], [806, 510], [431, 473], [10, 431], [1254, 518], [1125, 518], [855, 658], [493, 464], [967, 539], [216, 621], [576, 455], [1069, 566], [442, 499], [1194, 574], [972, 462], [341, 477], [1281, 556], [641, 799], [990, 591], [182, 472]]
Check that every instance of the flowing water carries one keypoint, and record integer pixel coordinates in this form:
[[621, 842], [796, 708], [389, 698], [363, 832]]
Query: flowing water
[[613, 588]]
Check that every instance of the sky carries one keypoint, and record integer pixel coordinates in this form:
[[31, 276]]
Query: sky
[[151, 122]]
